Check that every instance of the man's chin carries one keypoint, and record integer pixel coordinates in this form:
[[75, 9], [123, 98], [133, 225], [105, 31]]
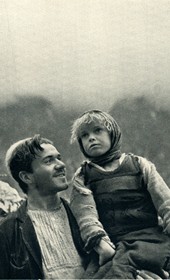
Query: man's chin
[[64, 187]]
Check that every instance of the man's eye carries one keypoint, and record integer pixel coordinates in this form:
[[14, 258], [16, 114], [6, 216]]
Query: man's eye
[[48, 161]]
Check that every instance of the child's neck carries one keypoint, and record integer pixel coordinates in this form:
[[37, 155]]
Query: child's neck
[[114, 164]]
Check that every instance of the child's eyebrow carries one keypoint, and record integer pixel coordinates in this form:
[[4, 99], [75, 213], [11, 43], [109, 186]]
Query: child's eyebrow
[[83, 130], [98, 125], [82, 133]]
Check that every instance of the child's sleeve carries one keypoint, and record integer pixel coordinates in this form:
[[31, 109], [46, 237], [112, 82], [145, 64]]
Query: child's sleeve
[[159, 191], [84, 209]]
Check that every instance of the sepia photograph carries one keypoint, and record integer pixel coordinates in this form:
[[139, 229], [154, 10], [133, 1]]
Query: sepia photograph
[[85, 127]]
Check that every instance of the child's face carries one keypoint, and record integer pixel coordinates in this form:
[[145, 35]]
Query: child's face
[[95, 139]]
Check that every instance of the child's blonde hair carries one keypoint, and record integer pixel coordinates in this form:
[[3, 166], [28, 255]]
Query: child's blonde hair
[[92, 116], [111, 125]]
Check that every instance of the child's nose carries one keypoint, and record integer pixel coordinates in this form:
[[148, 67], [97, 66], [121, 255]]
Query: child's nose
[[91, 137]]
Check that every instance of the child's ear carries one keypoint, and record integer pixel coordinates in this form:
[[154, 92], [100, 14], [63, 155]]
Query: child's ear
[[26, 177]]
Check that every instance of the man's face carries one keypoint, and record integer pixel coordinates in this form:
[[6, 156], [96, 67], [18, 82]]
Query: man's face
[[49, 171]]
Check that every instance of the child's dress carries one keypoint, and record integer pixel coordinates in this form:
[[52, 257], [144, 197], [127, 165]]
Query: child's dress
[[124, 201]]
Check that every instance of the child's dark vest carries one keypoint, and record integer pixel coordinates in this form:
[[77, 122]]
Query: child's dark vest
[[123, 202]]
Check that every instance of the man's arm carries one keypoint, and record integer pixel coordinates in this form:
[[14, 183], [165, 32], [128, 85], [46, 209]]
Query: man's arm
[[4, 257]]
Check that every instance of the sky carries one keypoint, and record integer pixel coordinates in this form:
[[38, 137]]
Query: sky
[[90, 52]]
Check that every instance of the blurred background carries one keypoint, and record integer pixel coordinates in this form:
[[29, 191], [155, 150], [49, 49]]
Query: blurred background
[[60, 58]]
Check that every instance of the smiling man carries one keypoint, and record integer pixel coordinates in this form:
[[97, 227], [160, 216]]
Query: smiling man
[[41, 239]]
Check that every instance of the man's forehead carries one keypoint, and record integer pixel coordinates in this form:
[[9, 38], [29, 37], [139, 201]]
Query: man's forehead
[[48, 149], [48, 146]]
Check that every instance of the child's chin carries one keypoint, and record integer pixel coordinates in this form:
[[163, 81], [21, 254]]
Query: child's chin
[[95, 155]]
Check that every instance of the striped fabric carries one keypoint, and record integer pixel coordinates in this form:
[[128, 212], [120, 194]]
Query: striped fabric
[[60, 257]]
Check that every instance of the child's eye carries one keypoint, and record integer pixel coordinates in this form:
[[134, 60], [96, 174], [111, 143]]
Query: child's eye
[[98, 129], [84, 135]]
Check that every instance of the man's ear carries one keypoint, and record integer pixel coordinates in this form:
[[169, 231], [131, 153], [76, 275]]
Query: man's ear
[[26, 177]]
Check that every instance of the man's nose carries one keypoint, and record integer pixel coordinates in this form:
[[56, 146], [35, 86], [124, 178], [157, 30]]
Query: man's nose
[[59, 164]]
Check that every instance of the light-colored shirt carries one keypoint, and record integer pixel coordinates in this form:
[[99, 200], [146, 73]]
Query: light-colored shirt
[[59, 256]]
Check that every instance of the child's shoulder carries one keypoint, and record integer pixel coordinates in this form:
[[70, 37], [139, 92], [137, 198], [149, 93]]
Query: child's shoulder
[[136, 157], [80, 169], [141, 161], [78, 172]]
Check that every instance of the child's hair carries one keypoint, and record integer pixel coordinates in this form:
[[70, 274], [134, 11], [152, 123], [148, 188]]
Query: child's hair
[[92, 116], [20, 155], [111, 125]]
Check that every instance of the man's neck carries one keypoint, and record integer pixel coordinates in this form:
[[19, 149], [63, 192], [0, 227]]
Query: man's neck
[[44, 203]]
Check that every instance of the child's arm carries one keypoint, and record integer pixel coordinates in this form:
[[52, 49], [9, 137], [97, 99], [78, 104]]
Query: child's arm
[[84, 209], [158, 190], [105, 250]]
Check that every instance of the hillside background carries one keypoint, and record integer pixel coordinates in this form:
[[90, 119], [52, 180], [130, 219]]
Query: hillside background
[[145, 128]]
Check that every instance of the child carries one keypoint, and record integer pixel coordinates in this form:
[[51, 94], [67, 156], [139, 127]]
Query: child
[[117, 198]]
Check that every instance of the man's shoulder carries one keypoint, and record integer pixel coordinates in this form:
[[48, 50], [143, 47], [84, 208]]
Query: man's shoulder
[[10, 219], [7, 227]]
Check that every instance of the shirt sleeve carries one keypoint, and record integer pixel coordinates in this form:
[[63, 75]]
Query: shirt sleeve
[[84, 209], [158, 189]]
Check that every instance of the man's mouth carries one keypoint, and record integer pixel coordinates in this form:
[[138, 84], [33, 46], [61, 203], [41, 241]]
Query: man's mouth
[[60, 174]]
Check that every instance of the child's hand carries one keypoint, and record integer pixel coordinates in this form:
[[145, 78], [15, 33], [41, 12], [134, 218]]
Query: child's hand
[[105, 251], [166, 225], [145, 274]]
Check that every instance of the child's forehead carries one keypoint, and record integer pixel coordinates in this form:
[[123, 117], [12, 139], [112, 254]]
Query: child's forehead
[[89, 125]]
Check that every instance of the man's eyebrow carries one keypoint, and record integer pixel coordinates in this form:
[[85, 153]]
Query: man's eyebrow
[[59, 155], [46, 157], [52, 156]]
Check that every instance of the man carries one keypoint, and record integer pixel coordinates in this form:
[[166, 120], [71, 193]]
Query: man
[[41, 239], [41, 225]]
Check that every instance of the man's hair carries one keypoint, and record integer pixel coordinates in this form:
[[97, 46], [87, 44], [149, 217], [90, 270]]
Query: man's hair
[[20, 155], [88, 117]]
